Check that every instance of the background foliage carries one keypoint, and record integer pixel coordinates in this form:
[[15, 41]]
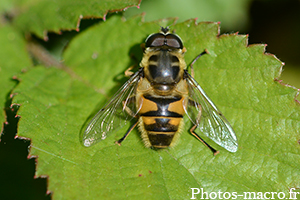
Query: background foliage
[[56, 101]]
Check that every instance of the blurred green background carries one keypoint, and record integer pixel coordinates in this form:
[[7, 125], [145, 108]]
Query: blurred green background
[[272, 22]]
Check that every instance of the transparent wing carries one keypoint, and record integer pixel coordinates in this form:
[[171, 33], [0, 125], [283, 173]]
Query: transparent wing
[[115, 114], [212, 122]]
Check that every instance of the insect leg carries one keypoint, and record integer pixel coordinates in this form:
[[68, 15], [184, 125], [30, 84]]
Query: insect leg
[[128, 72], [126, 134], [131, 113], [126, 102], [192, 130], [193, 62]]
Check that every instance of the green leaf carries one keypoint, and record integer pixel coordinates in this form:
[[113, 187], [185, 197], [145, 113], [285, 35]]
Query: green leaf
[[5, 5], [231, 13], [40, 16], [14, 58], [56, 104]]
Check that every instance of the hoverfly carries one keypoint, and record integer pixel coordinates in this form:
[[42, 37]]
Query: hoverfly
[[157, 97]]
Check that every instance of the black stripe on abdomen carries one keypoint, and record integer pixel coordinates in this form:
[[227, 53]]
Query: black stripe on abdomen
[[160, 140], [161, 125], [162, 107], [162, 130]]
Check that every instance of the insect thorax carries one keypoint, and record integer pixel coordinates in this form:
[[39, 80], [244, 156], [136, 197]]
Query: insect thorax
[[163, 68]]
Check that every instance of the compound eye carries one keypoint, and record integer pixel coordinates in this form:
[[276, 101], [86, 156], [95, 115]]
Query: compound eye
[[174, 41], [155, 40]]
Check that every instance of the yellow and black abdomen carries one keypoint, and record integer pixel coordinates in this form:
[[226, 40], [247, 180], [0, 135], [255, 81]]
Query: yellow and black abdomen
[[161, 118]]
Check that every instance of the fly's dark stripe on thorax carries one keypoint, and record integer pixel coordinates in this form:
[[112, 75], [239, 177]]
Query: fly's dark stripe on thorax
[[153, 58], [162, 105]]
